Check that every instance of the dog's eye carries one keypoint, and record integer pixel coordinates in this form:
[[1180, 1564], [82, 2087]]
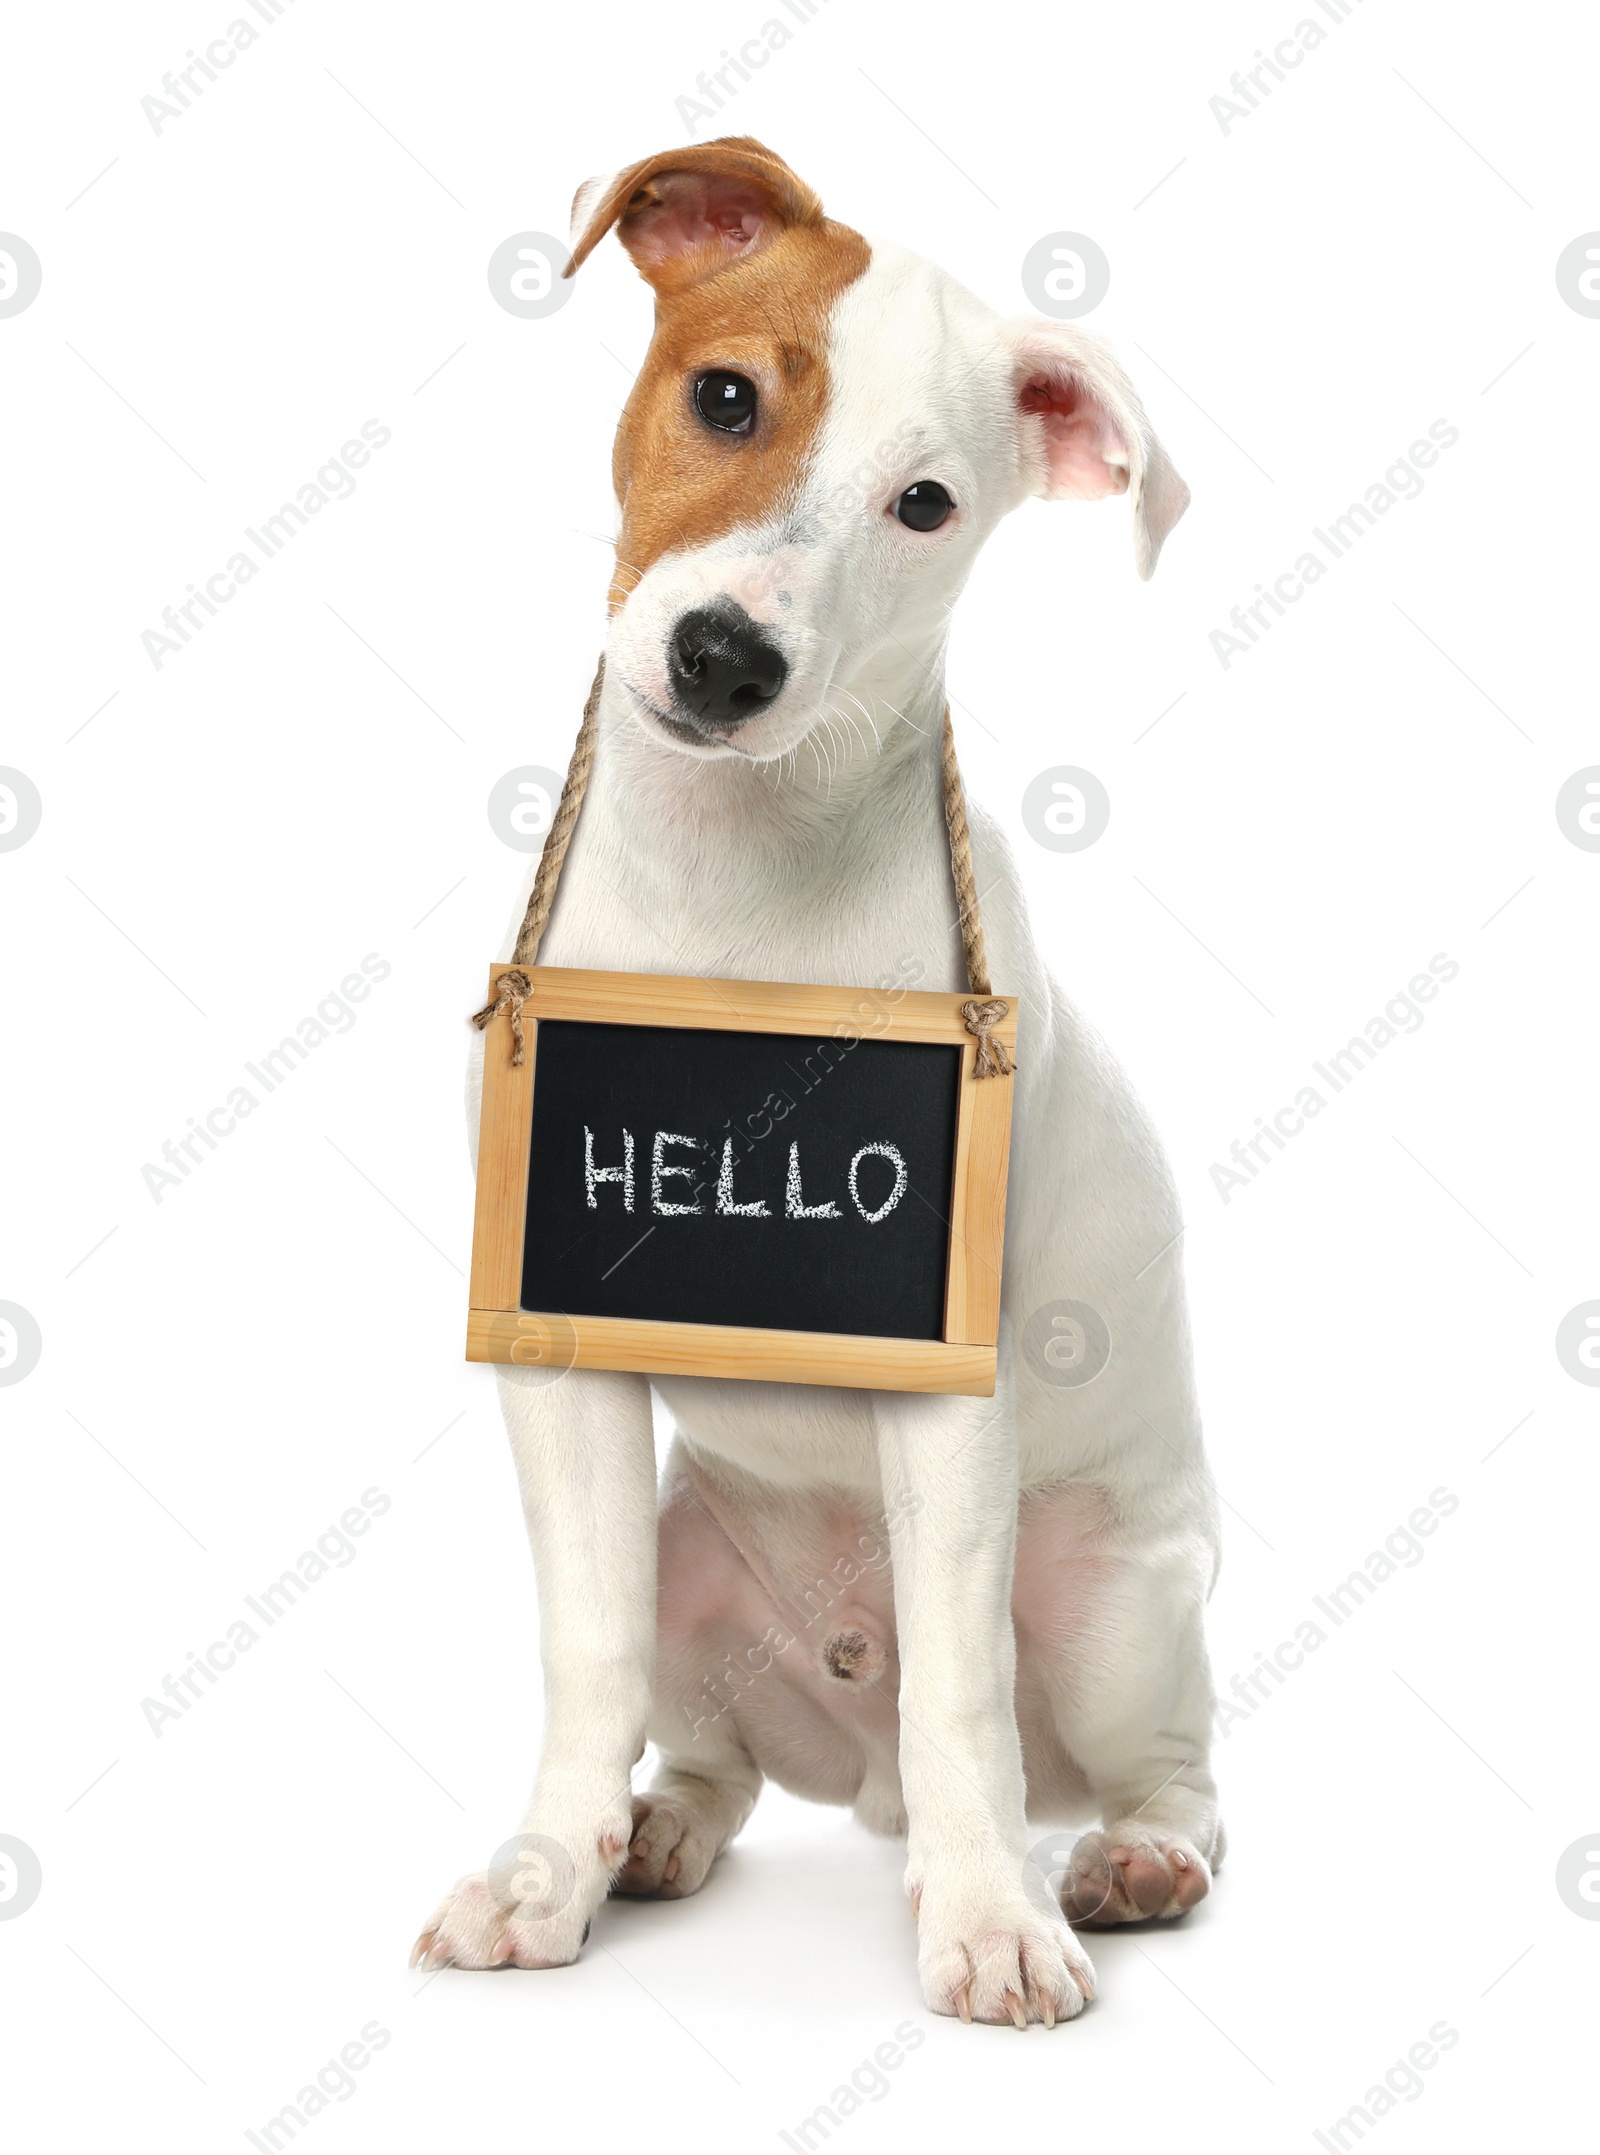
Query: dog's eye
[[925, 506], [726, 401]]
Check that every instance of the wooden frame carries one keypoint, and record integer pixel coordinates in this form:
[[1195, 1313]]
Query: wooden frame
[[499, 1330]]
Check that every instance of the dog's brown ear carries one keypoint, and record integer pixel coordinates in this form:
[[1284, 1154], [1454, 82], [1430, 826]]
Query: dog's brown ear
[[683, 213], [1085, 434]]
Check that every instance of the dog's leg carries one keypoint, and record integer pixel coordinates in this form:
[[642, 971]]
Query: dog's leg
[[586, 1462], [1137, 1721], [986, 1949]]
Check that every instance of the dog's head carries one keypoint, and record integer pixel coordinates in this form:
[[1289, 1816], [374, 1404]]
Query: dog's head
[[821, 437]]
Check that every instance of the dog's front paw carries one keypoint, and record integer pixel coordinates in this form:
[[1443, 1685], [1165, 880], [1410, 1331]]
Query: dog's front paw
[[531, 1909], [1130, 1872], [999, 1960]]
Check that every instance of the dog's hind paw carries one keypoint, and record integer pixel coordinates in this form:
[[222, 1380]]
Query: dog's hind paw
[[672, 1849], [1130, 1872]]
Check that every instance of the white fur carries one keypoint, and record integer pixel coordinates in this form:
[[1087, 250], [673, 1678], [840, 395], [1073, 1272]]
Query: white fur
[[812, 848]]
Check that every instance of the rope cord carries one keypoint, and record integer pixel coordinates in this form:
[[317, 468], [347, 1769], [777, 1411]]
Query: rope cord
[[513, 987]]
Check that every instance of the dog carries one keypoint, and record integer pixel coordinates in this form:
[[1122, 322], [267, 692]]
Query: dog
[[953, 1614]]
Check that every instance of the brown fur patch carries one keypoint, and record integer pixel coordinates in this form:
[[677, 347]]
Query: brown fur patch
[[766, 314], [746, 270]]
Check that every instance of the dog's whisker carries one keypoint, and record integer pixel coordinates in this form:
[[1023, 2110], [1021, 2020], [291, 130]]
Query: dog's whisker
[[852, 723], [844, 719], [838, 751], [877, 737], [899, 714]]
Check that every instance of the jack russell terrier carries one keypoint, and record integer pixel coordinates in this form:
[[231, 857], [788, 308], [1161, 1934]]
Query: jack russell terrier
[[953, 1614]]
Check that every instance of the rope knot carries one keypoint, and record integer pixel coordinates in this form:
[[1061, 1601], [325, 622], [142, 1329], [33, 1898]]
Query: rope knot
[[512, 990], [981, 1018]]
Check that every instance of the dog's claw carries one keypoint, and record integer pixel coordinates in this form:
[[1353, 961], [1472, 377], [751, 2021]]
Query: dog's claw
[[1017, 2010], [420, 1951], [1047, 2009], [964, 2005]]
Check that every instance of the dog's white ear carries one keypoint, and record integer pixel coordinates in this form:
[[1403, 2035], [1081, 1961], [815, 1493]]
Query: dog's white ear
[[684, 213], [1084, 432]]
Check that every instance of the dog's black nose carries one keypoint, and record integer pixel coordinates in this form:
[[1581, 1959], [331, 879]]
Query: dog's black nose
[[723, 666]]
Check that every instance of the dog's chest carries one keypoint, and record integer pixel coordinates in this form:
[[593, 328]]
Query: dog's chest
[[650, 887]]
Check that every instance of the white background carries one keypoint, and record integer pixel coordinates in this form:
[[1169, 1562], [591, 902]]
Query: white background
[[223, 1373]]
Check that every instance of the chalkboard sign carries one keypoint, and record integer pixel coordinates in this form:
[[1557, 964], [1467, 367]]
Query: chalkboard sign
[[740, 1179]]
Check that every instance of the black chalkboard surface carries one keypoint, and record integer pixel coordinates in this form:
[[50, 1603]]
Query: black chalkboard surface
[[755, 1179]]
